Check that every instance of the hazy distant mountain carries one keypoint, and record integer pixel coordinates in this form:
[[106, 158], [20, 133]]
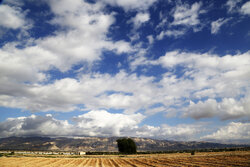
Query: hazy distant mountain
[[98, 144]]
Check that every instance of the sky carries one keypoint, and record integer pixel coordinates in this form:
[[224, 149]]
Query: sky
[[162, 69]]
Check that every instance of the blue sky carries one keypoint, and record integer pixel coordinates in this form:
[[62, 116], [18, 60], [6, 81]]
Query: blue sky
[[174, 70]]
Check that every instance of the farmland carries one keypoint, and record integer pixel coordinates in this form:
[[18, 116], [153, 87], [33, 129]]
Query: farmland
[[236, 158]]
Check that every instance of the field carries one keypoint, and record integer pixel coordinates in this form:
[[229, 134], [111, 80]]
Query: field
[[236, 158]]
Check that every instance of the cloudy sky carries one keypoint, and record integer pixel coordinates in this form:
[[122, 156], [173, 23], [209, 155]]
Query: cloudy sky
[[165, 69]]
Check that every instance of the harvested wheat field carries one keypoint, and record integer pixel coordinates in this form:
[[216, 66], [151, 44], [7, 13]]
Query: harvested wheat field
[[240, 158]]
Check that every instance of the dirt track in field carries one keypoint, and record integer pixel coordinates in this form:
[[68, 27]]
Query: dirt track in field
[[157, 160]]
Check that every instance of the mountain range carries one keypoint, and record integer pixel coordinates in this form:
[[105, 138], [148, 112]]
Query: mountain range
[[106, 144]]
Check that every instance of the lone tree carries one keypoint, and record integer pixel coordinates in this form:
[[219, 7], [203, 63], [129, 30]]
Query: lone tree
[[126, 146]]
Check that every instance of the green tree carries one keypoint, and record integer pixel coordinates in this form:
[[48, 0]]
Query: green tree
[[126, 146]]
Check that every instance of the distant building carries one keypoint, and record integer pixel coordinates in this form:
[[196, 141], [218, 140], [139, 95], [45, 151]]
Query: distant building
[[82, 153]]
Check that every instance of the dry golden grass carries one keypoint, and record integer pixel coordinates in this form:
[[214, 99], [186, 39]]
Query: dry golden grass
[[239, 158]]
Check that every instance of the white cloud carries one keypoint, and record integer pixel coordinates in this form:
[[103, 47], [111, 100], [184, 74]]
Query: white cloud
[[216, 25], [219, 84], [206, 60], [90, 90], [234, 132], [202, 109], [82, 40], [171, 33], [163, 22], [95, 123], [131, 4], [120, 47], [208, 76], [232, 5], [116, 101], [103, 123], [35, 126], [205, 76], [187, 15], [25, 79], [16, 68], [155, 110], [85, 37], [150, 39], [12, 17], [245, 9], [228, 108], [179, 132], [139, 19], [184, 15]]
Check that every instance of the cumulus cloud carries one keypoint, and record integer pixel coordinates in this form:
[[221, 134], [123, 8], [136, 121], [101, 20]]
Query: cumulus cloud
[[217, 85], [203, 109], [90, 90], [234, 132], [228, 108], [150, 39], [35, 126], [210, 77], [187, 15], [216, 25], [245, 9], [86, 37], [139, 19], [95, 123], [206, 60], [103, 123], [100, 123], [179, 132], [206, 76], [81, 39], [232, 5], [171, 33], [155, 110], [12, 17]]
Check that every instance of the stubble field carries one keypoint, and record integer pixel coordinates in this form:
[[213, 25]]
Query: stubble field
[[240, 158]]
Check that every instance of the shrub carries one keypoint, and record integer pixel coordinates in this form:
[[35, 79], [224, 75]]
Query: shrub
[[126, 146]]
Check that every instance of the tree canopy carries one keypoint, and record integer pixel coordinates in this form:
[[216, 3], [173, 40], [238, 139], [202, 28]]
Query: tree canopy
[[126, 146]]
